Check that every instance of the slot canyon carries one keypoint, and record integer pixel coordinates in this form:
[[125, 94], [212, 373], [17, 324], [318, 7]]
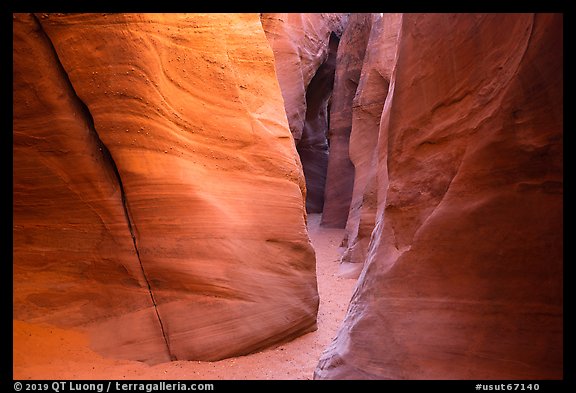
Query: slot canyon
[[288, 196]]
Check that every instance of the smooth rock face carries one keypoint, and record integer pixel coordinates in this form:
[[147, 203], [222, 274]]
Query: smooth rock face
[[300, 42], [463, 278], [305, 47], [367, 110], [313, 146], [340, 171], [74, 259], [190, 110]]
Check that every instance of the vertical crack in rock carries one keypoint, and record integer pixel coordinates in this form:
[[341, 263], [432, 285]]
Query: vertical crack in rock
[[108, 158], [313, 146]]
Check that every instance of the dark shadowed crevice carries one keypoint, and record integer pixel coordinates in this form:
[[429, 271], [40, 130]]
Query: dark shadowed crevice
[[340, 177], [313, 147], [110, 161]]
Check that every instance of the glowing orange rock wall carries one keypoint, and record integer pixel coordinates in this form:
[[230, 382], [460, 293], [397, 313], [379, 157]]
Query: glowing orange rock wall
[[158, 194]]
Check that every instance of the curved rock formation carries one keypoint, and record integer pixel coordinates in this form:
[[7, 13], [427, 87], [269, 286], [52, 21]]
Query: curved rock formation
[[313, 146], [300, 43], [158, 193], [340, 170], [305, 47], [367, 110], [74, 259], [463, 278]]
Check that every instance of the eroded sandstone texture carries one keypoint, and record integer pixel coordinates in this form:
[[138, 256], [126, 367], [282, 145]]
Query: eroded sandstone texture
[[158, 195], [340, 170], [74, 259], [304, 47], [313, 146], [463, 275], [367, 110]]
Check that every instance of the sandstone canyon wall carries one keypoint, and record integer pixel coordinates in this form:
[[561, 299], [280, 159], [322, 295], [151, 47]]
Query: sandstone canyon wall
[[313, 146], [158, 194], [340, 170], [160, 202], [366, 112], [304, 47], [463, 273], [74, 259]]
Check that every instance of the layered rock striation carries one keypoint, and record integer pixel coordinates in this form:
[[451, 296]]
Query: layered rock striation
[[158, 194], [463, 273], [305, 47], [160, 199]]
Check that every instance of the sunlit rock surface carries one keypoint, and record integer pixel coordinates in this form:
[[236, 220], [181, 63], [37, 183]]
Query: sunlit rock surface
[[158, 194]]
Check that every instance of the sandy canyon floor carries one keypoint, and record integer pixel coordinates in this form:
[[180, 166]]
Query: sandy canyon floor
[[48, 352]]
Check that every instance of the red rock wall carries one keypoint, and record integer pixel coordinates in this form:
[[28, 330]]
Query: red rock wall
[[463, 278], [74, 259], [191, 113], [367, 110], [340, 170], [313, 146], [305, 48], [300, 42]]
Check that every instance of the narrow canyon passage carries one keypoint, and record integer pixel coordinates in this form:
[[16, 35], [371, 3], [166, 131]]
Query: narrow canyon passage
[[64, 354], [206, 188]]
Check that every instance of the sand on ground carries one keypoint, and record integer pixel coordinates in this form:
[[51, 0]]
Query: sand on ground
[[47, 352]]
